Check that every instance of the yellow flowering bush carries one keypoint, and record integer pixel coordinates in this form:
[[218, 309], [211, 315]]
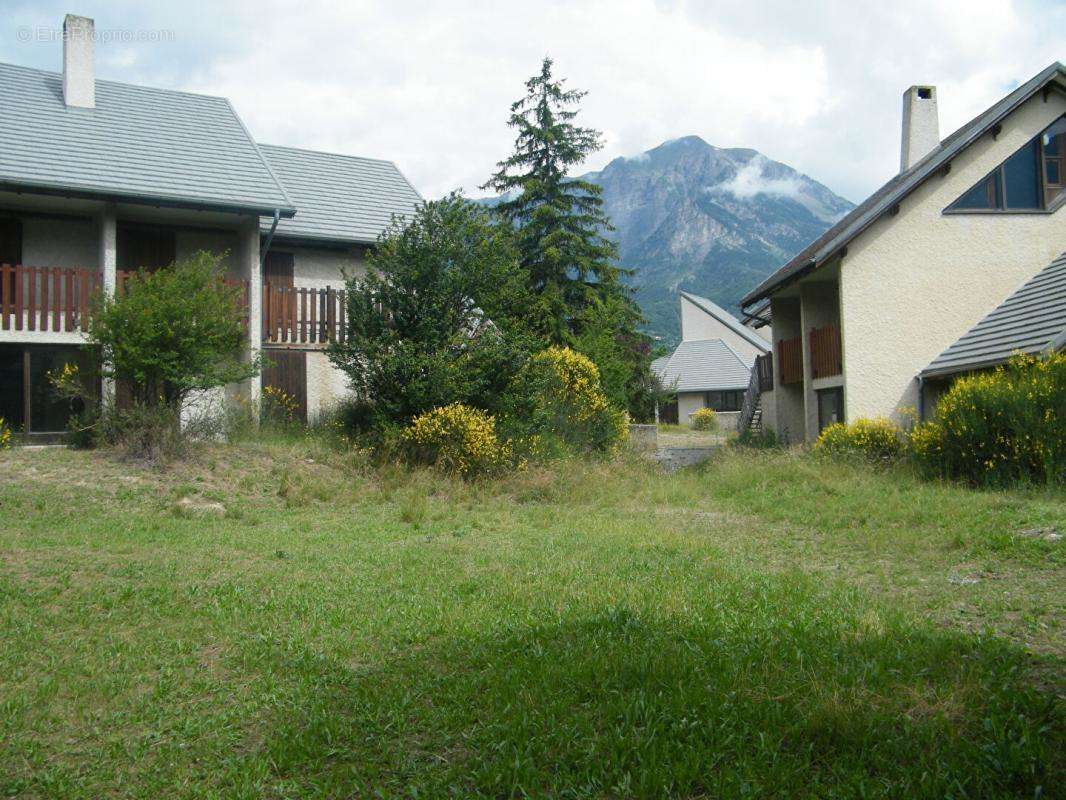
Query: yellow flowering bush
[[557, 396], [704, 420], [873, 439], [277, 405], [1000, 427], [5, 434], [456, 438]]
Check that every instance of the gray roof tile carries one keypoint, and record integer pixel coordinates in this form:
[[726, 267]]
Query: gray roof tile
[[138, 144], [339, 197], [703, 365], [1031, 320], [884, 199]]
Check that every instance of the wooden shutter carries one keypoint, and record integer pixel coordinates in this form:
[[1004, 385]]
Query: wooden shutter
[[141, 247], [278, 269], [287, 371]]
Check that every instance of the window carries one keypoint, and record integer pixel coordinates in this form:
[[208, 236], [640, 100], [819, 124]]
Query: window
[[723, 401], [1030, 180], [27, 398], [830, 406]]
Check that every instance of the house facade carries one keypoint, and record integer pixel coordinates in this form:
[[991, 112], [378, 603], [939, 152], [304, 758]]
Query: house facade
[[861, 313], [99, 179], [711, 366]]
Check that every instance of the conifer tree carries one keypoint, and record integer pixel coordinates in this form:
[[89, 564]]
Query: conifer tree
[[561, 228]]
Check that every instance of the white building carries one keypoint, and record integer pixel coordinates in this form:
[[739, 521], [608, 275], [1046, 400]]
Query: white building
[[861, 314], [98, 178], [712, 365]]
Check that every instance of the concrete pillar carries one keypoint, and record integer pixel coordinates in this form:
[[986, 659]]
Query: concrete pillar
[[248, 267], [108, 259]]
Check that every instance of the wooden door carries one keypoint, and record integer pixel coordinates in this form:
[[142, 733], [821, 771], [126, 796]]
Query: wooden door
[[287, 370], [278, 269]]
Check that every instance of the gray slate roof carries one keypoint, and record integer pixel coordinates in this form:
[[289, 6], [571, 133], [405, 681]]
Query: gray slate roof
[[340, 198], [728, 320], [884, 199], [138, 145], [703, 365], [1031, 320]]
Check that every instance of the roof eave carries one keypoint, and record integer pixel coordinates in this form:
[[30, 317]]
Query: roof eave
[[135, 198]]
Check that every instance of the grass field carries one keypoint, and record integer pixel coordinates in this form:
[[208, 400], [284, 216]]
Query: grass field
[[764, 626]]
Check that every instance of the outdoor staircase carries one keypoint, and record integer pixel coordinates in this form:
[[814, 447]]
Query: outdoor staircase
[[755, 425], [751, 409]]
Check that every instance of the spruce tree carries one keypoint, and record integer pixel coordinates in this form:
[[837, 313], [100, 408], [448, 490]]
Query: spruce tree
[[559, 220], [570, 264]]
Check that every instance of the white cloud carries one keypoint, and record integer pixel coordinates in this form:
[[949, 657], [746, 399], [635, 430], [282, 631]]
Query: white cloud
[[751, 180], [815, 85]]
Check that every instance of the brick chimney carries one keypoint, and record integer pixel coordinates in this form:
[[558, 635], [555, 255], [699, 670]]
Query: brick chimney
[[921, 127], [79, 83]]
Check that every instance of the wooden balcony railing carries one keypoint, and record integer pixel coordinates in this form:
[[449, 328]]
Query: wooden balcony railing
[[59, 300], [45, 298], [790, 357], [826, 353], [303, 316], [122, 277]]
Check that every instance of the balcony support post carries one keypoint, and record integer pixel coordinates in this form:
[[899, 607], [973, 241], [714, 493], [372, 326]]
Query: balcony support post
[[108, 260]]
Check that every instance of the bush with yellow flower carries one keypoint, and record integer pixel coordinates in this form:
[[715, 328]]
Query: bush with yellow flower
[[1000, 427], [876, 440]]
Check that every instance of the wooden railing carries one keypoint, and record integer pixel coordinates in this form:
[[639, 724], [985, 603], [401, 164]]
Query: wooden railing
[[122, 278], [826, 353], [46, 298], [790, 359], [303, 316]]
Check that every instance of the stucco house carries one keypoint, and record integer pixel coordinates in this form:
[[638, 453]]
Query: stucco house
[[862, 316], [711, 366], [99, 178]]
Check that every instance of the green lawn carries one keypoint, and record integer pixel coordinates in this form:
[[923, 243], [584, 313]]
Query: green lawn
[[764, 626]]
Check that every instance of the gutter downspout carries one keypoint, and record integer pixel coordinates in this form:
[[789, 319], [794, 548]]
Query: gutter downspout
[[270, 238]]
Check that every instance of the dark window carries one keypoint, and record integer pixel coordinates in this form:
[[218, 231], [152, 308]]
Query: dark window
[[1029, 180], [25, 387], [12, 388], [144, 247], [830, 406], [1021, 177], [723, 401], [10, 241]]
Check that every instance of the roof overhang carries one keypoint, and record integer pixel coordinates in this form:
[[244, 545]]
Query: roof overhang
[[161, 201]]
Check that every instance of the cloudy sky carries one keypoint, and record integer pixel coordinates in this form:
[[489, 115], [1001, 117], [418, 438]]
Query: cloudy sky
[[816, 85]]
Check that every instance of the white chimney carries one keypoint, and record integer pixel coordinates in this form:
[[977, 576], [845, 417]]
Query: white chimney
[[921, 128], [79, 84]]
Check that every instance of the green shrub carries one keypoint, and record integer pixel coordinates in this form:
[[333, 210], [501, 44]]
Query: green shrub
[[557, 398], [5, 434], [704, 420], [872, 439], [1000, 427], [456, 438], [763, 439]]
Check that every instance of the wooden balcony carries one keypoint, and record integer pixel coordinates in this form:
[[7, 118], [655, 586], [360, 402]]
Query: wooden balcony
[[790, 357], [301, 316], [46, 299], [826, 353]]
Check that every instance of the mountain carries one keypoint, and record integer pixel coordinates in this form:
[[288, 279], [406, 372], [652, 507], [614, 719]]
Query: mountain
[[713, 221]]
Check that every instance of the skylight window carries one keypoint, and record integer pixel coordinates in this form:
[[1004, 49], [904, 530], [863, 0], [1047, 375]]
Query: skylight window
[[1030, 180]]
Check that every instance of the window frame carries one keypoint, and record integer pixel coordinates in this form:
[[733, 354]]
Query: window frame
[[997, 174]]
